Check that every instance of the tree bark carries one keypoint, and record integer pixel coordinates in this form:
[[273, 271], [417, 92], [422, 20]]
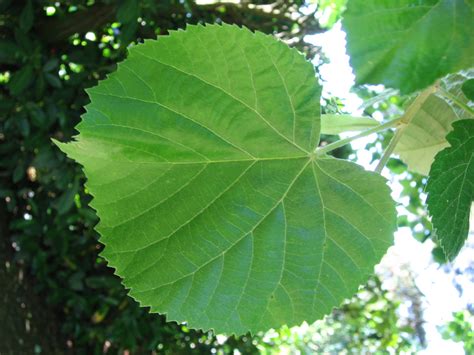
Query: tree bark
[[26, 324]]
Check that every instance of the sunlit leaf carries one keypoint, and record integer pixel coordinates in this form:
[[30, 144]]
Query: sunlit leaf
[[426, 134], [468, 89], [199, 152]]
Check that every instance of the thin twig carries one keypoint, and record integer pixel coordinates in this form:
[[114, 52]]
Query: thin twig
[[327, 148]]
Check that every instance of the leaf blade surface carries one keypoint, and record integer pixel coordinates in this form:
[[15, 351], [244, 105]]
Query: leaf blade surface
[[213, 208]]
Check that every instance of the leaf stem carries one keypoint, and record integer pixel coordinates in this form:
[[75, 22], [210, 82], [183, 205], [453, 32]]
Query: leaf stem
[[411, 111], [390, 148], [456, 100], [327, 148]]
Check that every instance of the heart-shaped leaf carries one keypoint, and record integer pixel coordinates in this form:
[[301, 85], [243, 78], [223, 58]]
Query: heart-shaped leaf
[[214, 208]]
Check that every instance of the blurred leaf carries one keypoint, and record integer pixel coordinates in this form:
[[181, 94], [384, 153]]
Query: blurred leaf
[[383, 96], [51, 64], [76, 281], [390, 42], [128, 11], [53, 80], [228, 176], [27, 16], [468, 89], [439, 255], [101, 281], [64, 202], [18, 172], [9, 52], [25, 43], [21, 80]]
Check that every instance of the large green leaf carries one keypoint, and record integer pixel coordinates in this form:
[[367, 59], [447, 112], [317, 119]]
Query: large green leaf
[[408, 44], [451, 188], [214, 209]]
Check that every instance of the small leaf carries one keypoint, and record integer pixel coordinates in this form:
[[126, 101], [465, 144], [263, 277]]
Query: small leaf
[[53, 80], [336, 124], [50, 64], [66, 200], [468, 89], [27, 17], [24, 42], [128, 11], [9, 52], [199, 152], [21, 80], [426, 134], [391, 42], [451, 188]]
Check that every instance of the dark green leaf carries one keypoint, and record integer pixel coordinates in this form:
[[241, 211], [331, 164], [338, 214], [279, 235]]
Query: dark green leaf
[[453, 85], [50, 64], [9, 52], [468, 89], [21, 80], [53, 80], [27, 16], [128, 11], [451, 188]]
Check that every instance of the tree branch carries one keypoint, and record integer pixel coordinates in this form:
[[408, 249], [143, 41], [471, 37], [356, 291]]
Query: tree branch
[[58, 29], [52, 30]]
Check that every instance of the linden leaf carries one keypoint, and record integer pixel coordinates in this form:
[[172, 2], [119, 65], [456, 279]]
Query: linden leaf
[[199, 152]]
